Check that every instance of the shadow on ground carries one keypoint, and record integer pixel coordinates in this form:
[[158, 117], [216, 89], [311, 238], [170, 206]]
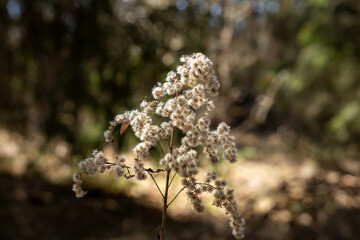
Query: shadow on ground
[[284, 194], [31, 208]]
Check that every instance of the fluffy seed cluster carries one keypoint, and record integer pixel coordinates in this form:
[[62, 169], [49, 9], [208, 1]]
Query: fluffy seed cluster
[[97, 163], [178, 100]]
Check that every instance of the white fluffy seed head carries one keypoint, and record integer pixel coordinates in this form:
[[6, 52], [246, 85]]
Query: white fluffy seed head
[[182, 103], [158, 92], [108, 136], [119, 171]]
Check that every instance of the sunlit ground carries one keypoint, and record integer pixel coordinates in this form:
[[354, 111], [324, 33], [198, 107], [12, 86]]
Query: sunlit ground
[[284, 194]]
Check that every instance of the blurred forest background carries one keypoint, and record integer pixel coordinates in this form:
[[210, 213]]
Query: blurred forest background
[[289, 71]]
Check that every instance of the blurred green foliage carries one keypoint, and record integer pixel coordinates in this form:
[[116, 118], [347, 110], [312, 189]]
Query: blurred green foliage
[[67, 67], [325, 74]]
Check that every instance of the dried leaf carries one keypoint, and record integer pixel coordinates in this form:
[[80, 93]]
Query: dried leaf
[[124, 126]]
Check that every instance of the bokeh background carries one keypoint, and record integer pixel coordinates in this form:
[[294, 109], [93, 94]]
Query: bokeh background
[[289, 71]]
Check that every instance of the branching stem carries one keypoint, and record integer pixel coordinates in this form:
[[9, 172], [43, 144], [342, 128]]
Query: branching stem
[[172, 179], [175, 196], [152, 177]]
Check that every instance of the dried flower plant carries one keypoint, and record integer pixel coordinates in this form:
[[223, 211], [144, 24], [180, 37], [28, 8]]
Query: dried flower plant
[[177, 101]]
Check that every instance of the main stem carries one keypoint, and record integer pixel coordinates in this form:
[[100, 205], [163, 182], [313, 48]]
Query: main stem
[[165, 206], [165, 199]]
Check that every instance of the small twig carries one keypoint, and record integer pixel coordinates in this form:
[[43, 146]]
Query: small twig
[[128, 176], [207, 184], [150, 170], [127, 167], [156, 184], [172, 178], [172, 140], [176, 196], [168, 142]]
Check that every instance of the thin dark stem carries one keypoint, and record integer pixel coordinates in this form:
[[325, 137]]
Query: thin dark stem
[[172, 140], [152, 177], [154, 171], [149, 170], [128, 174], [168, 142], [167, 185], [176, 196], [207, 184], [172, 179], [165, 206]]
